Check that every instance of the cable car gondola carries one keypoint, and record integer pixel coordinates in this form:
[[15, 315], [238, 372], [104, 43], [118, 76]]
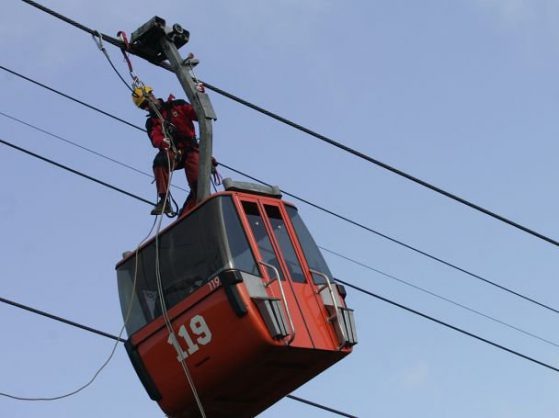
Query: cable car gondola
[[252, 303]]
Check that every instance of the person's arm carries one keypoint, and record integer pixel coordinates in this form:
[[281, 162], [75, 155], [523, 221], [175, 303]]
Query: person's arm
[[155, 133]]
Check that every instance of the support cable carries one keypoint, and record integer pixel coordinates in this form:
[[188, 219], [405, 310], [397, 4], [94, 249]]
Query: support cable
[[310, 132], [334, 411], [60, 319], [121, 340], [72, 98], [447, 325], [438, 321], [384, 165], [401, 243], [323, 248], [428, 292], [117, 339], [89, 150], [71, 170], [352, 222]]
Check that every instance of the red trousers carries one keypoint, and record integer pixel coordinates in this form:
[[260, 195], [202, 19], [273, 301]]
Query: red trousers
[[188, 159]]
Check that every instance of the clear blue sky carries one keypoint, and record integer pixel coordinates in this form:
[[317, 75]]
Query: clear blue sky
[[463, 94]]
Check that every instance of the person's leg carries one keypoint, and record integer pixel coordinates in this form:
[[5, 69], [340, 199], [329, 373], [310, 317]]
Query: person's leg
[[192, 160], [161, 174]]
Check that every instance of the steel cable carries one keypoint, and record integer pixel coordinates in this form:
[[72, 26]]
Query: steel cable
[[118, 339], [310, 132], [337, 215], [341, 217], [467, 308], [359, 289]]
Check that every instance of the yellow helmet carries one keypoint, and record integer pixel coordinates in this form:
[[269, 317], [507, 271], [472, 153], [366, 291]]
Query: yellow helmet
[[139, 95]]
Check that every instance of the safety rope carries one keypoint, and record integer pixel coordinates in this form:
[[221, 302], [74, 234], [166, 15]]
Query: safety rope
[[154, 107], [113, 350], [98, 39], [124, 39], [164, 310], [136, 81]]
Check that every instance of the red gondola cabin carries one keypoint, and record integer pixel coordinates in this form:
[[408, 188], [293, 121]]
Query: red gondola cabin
[[251, 301]]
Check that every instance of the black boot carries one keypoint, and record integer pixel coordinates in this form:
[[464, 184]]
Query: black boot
[[158, 209]]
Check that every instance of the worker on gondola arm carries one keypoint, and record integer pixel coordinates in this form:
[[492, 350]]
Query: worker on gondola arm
[[171, 129]]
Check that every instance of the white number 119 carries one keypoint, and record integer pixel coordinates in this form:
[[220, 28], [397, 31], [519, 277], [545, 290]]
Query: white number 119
[[200, 331]]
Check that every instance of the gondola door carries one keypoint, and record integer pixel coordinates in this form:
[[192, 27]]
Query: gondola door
[[278, 263], [309, 302]]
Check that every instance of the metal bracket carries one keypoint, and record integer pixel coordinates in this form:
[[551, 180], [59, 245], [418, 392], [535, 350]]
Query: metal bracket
[[277, 277], [335, 316]]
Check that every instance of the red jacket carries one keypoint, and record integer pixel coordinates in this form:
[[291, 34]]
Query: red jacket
[[178, 116]]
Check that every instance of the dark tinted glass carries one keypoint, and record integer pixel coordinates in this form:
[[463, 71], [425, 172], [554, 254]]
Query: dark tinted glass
[[241, 254], [191, 253], [310, 249], [261, 236], [282, 236]]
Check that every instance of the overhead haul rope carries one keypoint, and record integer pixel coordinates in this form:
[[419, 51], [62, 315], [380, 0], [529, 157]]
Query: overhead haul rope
[[154, 106], [117, 339]]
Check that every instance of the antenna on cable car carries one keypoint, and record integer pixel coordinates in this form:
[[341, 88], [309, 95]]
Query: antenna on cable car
[[158, 42]]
